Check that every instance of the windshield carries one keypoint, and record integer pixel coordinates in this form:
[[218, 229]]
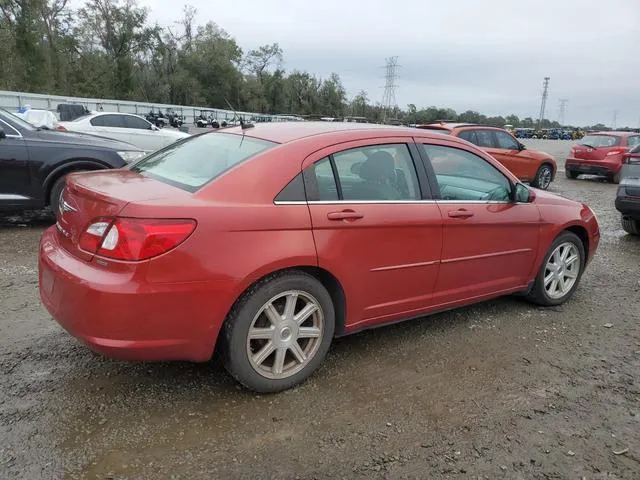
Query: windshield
[[16, 121], [598, 141], [198, 160]]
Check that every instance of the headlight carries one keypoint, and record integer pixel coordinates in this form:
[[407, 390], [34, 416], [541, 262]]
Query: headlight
[[131, 156]]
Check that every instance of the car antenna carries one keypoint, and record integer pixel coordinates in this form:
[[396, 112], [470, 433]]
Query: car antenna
[[244, 125]]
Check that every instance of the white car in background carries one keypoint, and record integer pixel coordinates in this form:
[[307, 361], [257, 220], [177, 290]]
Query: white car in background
[[125, 127]]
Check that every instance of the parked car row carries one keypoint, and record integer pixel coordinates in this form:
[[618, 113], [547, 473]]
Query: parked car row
[[125, 127], [35, 161], [628, 194]]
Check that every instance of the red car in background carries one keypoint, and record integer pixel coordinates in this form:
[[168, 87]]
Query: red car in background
[[537, 168], [266, 242], [600, 153]]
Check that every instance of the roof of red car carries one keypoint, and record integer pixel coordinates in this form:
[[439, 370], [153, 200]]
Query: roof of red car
[[284, 132]]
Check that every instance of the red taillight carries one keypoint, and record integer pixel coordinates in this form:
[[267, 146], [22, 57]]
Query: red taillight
[[60, 128], [134, 238]]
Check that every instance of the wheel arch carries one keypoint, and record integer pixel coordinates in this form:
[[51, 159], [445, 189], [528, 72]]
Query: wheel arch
[[69, 167], [582, 234], [326, 278]]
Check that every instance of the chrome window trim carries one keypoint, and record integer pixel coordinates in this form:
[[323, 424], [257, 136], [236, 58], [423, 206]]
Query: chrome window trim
[[19, 135], [388, 202]]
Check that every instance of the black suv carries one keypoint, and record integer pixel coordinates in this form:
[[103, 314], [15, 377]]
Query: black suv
[[628, 196], [34, 161]]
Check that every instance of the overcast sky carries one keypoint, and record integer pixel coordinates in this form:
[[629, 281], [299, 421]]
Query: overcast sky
[[485, 55]]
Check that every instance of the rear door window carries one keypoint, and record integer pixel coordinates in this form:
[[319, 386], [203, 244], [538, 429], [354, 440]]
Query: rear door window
[[469, 136], [484, 138], [368, 174], [191, 164], [113, 121], [377, 173]]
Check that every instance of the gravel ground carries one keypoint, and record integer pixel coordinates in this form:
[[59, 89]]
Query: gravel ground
[[498, 390]]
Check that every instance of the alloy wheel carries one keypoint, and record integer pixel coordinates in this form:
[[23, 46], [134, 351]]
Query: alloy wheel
[[285, 334], [544, 177], [562, 270]]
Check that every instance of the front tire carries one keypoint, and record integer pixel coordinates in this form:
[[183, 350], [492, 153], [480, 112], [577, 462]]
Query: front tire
[[543, 177], [279, 332], [631, 226], [560, 272]]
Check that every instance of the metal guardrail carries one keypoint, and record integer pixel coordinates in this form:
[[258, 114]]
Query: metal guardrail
[[12, 101]]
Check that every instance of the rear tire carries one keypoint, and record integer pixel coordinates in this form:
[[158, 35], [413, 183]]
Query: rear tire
[[631, 226], [543, 292], [263, 310], [543, 177], [570, 174], [615, 178]]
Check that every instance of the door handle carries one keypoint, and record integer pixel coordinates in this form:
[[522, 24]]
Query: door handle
[[344, 215], [462, 213]]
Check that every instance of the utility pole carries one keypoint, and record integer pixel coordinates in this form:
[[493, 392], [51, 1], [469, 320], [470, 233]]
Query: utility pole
[[390, 86], [615, 119], [563, 110], [543, 104]]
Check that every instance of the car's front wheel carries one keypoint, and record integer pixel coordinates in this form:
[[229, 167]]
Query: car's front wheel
[[560, 272], [631, 226], [543, 177], [279, 332]]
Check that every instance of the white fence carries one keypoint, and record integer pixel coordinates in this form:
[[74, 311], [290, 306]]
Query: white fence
[[13, 100]]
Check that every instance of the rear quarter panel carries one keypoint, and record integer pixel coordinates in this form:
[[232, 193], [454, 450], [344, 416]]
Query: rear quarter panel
[[238, 240]]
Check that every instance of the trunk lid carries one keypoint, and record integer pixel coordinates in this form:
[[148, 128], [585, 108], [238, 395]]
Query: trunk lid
[[93, 195]]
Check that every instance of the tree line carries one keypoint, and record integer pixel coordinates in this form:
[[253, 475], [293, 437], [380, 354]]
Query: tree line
[[109, 49]]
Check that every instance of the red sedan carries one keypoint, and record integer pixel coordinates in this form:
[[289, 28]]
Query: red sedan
[[600, 153], [267, 242]]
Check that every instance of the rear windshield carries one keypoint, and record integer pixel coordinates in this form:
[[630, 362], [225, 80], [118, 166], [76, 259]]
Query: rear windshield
[[598, 141], [198, 160]]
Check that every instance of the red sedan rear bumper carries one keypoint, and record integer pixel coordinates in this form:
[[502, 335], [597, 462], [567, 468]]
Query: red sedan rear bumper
[[609, 166], [120, 314]]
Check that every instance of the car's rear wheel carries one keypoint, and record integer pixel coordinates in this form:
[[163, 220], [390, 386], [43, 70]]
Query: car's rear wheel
[[570, 174], [279, 332], [543, 177], [560, 272], [614, 178], [631, 226]]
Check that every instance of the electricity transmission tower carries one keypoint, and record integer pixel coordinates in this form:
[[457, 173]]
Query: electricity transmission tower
[[545, 94], [390, 86], [563, 110]]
